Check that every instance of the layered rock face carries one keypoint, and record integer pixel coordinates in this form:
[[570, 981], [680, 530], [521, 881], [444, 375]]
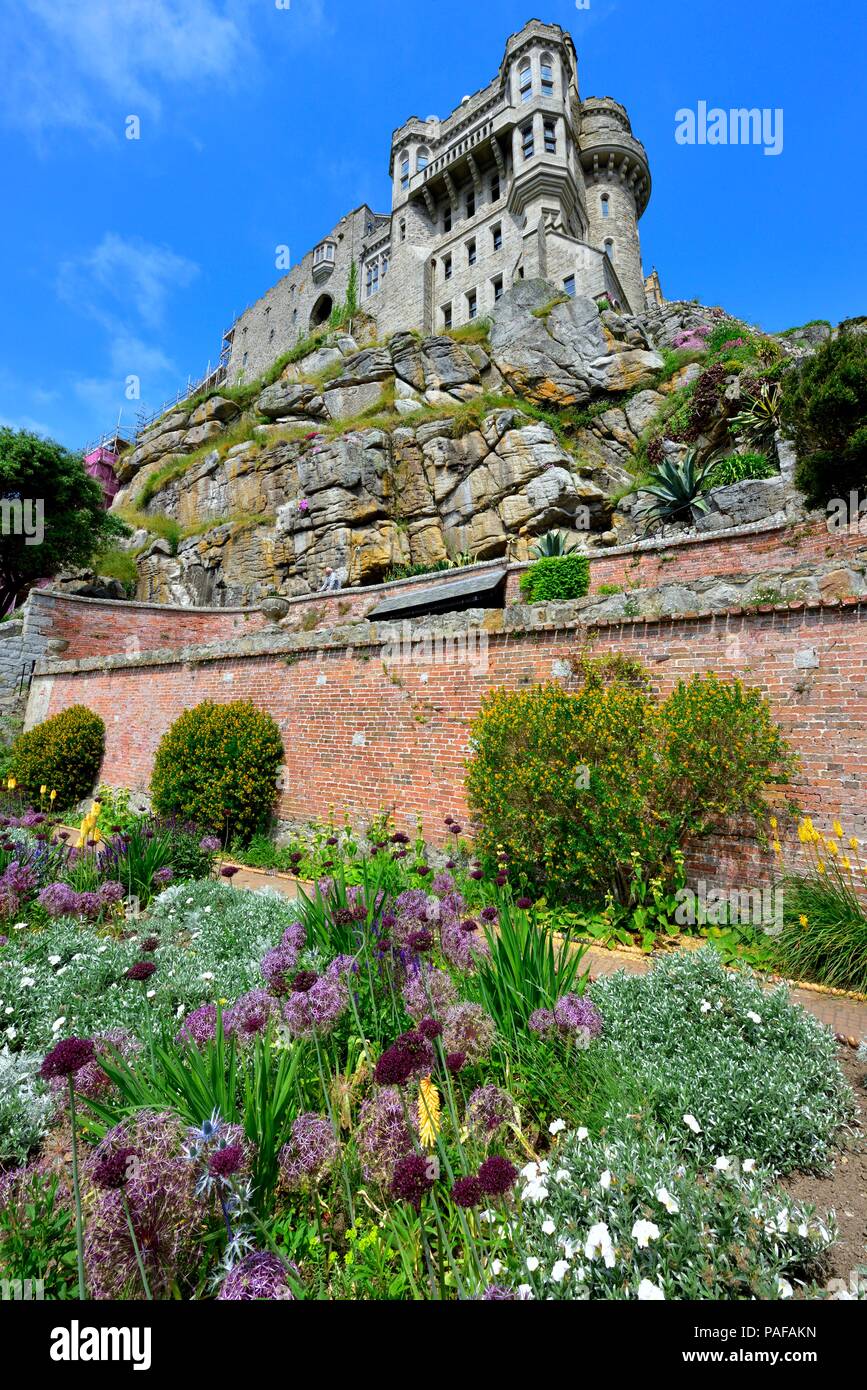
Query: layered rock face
[[303, 494]]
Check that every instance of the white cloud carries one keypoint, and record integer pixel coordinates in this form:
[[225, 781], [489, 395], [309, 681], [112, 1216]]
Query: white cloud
[[64, 61], [128, 274]]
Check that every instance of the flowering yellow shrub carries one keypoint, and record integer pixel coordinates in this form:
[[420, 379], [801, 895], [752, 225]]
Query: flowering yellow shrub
[[586, 790], [217, 765], [63, 753]]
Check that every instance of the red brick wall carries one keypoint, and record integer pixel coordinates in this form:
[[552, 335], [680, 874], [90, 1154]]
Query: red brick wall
[[101, 627], [414, 718]]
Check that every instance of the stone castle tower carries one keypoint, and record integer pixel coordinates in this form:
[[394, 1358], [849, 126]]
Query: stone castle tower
[[523, 179]]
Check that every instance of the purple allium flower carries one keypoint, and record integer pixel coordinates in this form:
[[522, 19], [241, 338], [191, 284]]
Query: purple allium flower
[[59, 900], [497, 1176], [524, 904], [278, 966], [454, 828], [67, 1057], [200, 1026], [488, 1109], [502, 879], [496, 1293], [462, 947], [420, 941], [399, 838], [229, 870], [467, 1192], [476, 874], [311, 1150], [142, 970], [304, 981], [467, 1028], [430, 1028], [209, 844], [90, 905], [163, 877], [393, 1067], [4, 940], [92, 1081], [488, 914], [455, 1062], [113, 1170], [226, 1162], [251, 1013], [412, 1178], [422, 870], [383, 1134], [442, 884], [111, 892], [258, 1276], [451, 863], [342, 966], [318, 1010], [574, 1013], [541, 1020], [150, 943]]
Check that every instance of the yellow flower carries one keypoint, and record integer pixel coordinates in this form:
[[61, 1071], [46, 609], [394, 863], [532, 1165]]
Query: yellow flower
[[12, 784], [853, 843], [803, 920], [776, 847], [52, 796], [837, 829], [846, 863], [43, 789], [429, 1122], [773, 822], [820, 865]]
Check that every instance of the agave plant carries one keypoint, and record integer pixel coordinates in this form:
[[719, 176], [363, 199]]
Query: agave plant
[[760, 418], [674, 489], [552, 545]]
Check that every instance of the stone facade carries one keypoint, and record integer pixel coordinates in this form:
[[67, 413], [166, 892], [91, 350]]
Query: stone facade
[[524, 179]]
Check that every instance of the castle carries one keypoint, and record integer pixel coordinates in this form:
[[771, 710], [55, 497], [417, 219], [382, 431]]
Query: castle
[[522, 180]]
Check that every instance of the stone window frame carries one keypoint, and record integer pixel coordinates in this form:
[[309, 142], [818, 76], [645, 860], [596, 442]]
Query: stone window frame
[[470, 203], [472, 298], [569, 281], [498, 288], [548, 83], [446, 311], [605, 204], [447, 267], [549, 136], [404, 171], [525, 82], [496, 191], [528, 141], [447, 217], [422, 159], [472, 251], [497, 236], [321, 253], [608, 248]]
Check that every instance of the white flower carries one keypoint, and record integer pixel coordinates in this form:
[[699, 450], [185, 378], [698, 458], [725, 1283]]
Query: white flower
[[151, 994], [644, 1232], [693, 1123], [12, 1034], [556, 1126], [58, 1023], [530, 1171], [748, 1165], [664, 1196], [803, 1229], [649, 1292], [754, 1017], [560, 1270], [535, 1191], [207, 975], [582, 1131], [9, 1009], [784, 1288], [54, 960], [19, 926], [599, 1243], [606, 1180], [525, 1291], [562, 1175], [706, 1006], [548, 1227], [207, 909], [532, 1264], [496, 1266], [28, 982], [722, 1165]]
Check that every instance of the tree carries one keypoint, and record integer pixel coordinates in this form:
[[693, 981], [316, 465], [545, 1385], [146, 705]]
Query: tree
[[51, 513]]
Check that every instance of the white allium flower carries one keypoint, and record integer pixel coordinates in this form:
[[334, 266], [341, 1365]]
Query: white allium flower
[[644, 1232], [692, 1123], [650, 1292]]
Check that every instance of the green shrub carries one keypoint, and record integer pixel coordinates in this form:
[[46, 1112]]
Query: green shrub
[[824, 410], [217, 765], [587, 791], [556, 577], [739, 467], [63, 753]]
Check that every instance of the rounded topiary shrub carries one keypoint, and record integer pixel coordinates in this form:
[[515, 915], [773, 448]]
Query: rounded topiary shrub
[[556, 577], [63, 753], [217, 765]]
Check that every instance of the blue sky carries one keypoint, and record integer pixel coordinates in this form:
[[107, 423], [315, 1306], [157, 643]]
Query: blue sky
[[262, 124]]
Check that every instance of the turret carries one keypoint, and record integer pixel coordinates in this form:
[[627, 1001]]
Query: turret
[[617, 177]]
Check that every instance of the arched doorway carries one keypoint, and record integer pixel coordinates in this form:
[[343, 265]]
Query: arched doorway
[[321, 311]]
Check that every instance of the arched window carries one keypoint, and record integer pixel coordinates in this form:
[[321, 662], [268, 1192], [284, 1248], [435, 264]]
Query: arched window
[[547, 70], [605, 205], [525, 80], [421, 159], [609, 248], [404, 172]]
